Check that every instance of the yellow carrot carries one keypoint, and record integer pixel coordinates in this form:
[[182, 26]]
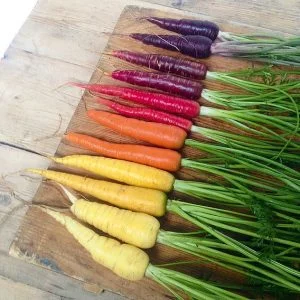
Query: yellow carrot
[[121, 170], [134, 228], [125, 260], [132, 263], [145, 200]]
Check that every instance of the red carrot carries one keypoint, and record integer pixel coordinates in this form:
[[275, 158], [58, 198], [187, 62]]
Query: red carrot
[[162, 135], [148, 114], [171, 104], [187, 27], [192, 45], [164, 159], [166, 64], [168, 83]]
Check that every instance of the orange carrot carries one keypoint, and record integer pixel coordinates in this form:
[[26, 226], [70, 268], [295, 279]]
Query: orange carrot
[[164, 159], [163, 135]]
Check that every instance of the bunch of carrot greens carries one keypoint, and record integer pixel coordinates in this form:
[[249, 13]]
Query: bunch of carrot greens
[[248, 219]]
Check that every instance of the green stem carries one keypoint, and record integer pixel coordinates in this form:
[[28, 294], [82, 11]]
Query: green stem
[[248, 252], [263, 147], [195, 288], [220, 258], [198, 248], [250, 161]]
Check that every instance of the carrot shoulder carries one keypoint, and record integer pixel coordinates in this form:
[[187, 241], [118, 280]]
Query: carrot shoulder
[[163, 135]]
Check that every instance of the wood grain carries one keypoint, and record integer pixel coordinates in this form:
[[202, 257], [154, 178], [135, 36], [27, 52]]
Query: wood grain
[[59, 41], [17, 291], [41, 237]]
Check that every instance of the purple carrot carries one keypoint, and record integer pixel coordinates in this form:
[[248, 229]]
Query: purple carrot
[[175, 105], [148, 114], [187, 27], [166, 64], [168, 83], [192, 45]]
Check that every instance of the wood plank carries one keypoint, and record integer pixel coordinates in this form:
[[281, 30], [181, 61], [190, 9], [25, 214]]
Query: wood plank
[[18, 291], [66, 25], [51, 282], [15, 190], [45, 120], [40, 236]]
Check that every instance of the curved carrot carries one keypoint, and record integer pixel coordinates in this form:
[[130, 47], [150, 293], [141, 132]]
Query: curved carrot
[[163, 135], [164, 159], [125, 260]]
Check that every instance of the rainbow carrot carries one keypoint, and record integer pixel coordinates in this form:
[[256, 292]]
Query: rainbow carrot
[[164, 159], [165, 82], [166, 136], [166, 64]]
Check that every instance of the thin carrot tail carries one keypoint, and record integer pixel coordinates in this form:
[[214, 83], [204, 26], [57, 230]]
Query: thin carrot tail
[[107, 74], [106, 102], [115, 34], [71, 196], [56, 215], [80, 85], [112, 53], [35, 171]]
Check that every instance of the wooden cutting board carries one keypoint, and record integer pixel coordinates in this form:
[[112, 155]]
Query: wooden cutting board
[[43, 241]]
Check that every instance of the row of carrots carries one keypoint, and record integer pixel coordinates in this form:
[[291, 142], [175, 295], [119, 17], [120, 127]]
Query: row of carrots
[[165, 123]]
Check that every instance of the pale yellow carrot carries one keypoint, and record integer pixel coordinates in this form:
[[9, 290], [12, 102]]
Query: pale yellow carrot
[[125, 260], [124, 171], [134, 228]]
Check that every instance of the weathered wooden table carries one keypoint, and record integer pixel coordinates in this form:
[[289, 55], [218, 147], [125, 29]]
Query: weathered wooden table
[[61, 41]]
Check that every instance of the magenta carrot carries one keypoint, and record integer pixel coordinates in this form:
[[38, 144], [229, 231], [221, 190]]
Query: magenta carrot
[[176, 105], [166, 64], [192, 45], [187, 26], [148, 114], [168, 83]]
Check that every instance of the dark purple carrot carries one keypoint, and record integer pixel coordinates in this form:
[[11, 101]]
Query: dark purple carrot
[[148, 114], [175, 105], [192, 45], [271, 50], [168, 83], [166, 64], [187, 27]]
